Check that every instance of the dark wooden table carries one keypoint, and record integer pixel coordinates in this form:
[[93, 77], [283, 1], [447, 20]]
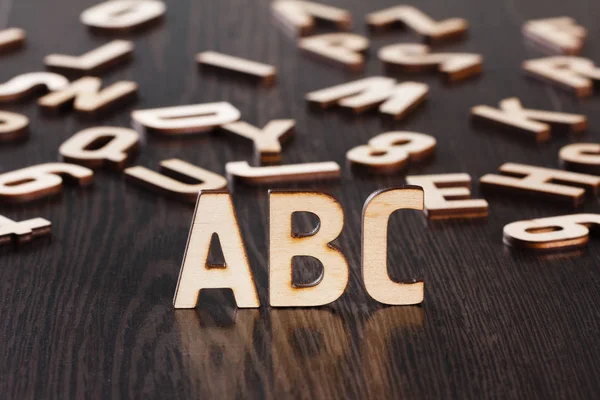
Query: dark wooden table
[[88, 314]]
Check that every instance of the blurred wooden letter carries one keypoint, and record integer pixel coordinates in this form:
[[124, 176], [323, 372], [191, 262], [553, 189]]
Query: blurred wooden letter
[[118, 15], [12, 126], [448, 196], [267, 142], [538, 181], [306, 172], [93, 61], [182, 120], [298, 16], [581, 157], [172, 184], [575, 74], [22, 85], [419, 22], [535, 122], [11, 38], [563, 232], [114, 153], [416, 57], [42, 180], [559, 35], [23, 231], [390, 152], [87, 97], [262, 71], [344, 49], [364, 94]]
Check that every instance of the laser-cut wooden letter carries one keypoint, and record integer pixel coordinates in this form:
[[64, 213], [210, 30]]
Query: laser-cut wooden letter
[[299, 16], [93, 61], [390, 152], [11, 38], [376, 215], [535, 122], [182, 120], [562, 232], [267, 142], [559, 35], [12, 126], [344, 49], [284, 245], [448, 196], [22, 85], [170, 185], [122, 15], [215, 214], [575, 74], [247, 67], [416, 57], [114, 153], [364, 94], [87, 97], [581, 157], [419, 22], [242, 171], [23, 231], [538, 181], [42, 180]]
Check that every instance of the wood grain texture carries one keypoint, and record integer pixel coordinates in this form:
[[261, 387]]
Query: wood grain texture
[[89, 313]]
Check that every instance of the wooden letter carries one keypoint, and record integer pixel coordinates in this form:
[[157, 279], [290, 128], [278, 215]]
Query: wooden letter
[[539, 181], [86, 96], [122, 15], [535, 122], [242, 171], [284, 245], [22, 85], [24, 231], [418, 22], [11, 38], [171, 185], [263, 71], [364, 94], [93, 61], [581, 157], [376, 215], [390, 152], [442, 187], [183, 120], [42, 180], [215, 214], [113, 153], [267, 142], [299, 16], [344, 49], [563, 232], [572, 73], [12, 126], [559, 35], [416, 57]]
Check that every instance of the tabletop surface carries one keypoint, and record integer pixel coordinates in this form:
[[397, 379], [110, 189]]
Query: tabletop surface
[[89, 312]]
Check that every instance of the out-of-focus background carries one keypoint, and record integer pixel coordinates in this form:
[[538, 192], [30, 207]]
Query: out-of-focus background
[[88, 314]]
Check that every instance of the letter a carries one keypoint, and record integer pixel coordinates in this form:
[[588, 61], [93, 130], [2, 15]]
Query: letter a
[[215, 215]]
